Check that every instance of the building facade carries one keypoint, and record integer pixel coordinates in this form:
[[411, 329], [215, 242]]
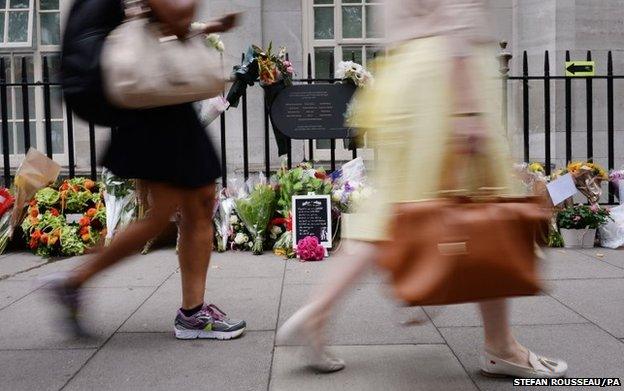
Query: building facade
[[333, 30]]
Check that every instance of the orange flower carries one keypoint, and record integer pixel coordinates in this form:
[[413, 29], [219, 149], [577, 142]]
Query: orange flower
[[91, 212], [44, 239], [54, 212], [33, 244], [89, 184], [84, 221], [34, 212], [52, 240], [84, 230], [86, 237]]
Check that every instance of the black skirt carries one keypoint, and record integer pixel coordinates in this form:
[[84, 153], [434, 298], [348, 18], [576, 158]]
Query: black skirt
[[166, 144]]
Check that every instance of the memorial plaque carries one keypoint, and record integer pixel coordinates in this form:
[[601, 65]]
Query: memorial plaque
[[311, 216], [313, 111]]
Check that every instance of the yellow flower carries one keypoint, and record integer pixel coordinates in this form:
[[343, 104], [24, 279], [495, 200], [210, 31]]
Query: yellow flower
[[536, 167], [280, 252], [575, 166]]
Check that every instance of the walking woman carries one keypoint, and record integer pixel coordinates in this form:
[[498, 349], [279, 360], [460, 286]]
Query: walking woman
[[168, 149], [435, 95]]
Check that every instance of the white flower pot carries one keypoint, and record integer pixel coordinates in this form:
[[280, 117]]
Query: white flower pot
[[578, 238]]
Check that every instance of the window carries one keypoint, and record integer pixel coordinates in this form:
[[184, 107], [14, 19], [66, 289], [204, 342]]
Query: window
[[30, 58], [16, 23], [342, 30]]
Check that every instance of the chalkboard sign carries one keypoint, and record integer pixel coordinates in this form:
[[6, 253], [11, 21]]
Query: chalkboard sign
[[313, 111], [311, 216]]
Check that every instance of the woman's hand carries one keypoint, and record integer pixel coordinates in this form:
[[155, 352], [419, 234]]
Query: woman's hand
[[175, 15], [222, 24]]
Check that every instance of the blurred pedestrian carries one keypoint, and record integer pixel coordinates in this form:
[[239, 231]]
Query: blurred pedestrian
[[168, 149], [436, 95]]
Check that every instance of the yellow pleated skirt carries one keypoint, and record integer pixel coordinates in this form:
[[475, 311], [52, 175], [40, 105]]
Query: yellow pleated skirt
[[407, 117]]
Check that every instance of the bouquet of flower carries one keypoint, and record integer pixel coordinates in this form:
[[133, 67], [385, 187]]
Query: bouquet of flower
[[352, 72], [223, 220], [272, 67], [616, 177], [588, 177], [255, 208], [300, 180], [240, 239], [35, 172], [121, 203], [349, 186], [65, 221], [6, 204], [582, 216], [309, 249]]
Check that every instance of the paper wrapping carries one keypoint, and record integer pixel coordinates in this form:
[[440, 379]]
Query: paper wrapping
[[36, 172], [589, 184]]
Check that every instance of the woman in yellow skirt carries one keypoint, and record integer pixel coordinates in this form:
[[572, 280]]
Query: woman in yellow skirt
[[436, 95]]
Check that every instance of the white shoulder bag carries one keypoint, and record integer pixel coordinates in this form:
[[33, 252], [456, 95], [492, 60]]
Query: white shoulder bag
[[143, 69]]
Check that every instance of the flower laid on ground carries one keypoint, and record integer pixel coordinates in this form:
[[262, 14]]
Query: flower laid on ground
[[350, 186], [255, 210], [309, 249], [121, 203], [349, 71], [6, 204], [47, 227], [616, 177], [582, 216]]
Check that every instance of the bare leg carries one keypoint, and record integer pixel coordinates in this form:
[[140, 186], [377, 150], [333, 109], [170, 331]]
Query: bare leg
[[130, 241], [499, 340], [309, 321], [195, 244]]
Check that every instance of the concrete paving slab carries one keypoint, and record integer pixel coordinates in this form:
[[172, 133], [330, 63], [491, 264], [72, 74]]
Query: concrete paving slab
[[600, 301], [10, 291], [613, 257], [367, 316], [563, 264], [17, 262], [27, 370], [151, 269], [255, 300], [49, 267], [244, 264], [157, 361], [315, 272], [33, 323], [589, 351], [524, 311], [396, 368]]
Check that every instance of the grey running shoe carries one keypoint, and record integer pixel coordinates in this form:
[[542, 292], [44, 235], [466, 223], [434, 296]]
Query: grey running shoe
[[69, 299], [209, 322]]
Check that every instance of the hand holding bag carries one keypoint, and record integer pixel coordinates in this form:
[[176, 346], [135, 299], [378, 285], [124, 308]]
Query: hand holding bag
[[142, 69], [463, 249]]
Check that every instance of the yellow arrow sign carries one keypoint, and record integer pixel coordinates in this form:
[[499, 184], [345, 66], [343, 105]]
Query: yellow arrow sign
[[580, 68]]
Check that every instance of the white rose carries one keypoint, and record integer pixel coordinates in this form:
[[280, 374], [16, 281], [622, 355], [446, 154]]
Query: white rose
[[276, 230], [240, 238], [220, 47], [233, 219]]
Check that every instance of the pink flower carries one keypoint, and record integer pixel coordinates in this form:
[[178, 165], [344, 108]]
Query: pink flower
[[577, 218], [287, 64], [594, 208], [309, 249]]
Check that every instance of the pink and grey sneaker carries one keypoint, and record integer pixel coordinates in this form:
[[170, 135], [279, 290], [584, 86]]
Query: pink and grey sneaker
[[208, 323]]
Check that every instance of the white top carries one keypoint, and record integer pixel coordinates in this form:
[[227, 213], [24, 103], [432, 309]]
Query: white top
[[464, 21]]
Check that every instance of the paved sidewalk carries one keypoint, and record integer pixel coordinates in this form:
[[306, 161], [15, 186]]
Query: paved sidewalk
[[580, 319]]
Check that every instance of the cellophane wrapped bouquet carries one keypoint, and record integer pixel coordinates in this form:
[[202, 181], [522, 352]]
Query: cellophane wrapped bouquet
[[350, 71], [255, 204], [616, 177], [588, 178], [350, 187], [300, 180], [121, 203]]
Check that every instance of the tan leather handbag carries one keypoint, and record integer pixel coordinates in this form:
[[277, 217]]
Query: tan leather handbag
[[143, 69], [463, 249]]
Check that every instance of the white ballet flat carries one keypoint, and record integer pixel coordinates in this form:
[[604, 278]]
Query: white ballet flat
[[541, 367], [294, 332]]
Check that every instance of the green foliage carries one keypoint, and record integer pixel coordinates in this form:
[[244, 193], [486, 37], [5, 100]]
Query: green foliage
[[298, 181], [47, 197], [582, 216], [256, 212]]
